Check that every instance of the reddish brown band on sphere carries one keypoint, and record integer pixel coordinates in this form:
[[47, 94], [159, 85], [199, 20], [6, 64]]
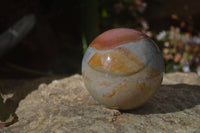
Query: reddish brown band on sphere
[[116, 37]]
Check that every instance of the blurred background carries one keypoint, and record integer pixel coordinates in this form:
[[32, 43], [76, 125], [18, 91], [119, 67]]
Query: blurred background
[[49, 37]]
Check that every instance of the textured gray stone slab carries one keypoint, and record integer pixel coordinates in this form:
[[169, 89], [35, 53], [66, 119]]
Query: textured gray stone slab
[[65, 106]]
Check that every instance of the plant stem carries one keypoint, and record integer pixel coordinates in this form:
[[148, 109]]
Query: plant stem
[[90, 20]]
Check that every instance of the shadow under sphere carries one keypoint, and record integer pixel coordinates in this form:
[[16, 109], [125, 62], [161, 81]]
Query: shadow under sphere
[[171, 98]]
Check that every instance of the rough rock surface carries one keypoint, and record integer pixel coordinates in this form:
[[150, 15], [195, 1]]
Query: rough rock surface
[[65, 106]]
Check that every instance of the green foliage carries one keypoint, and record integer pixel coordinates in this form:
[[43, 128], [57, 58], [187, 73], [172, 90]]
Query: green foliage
[[84, 43], [104, 13]]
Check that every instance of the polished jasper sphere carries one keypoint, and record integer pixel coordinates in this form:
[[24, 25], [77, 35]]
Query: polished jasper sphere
[[122, 68]]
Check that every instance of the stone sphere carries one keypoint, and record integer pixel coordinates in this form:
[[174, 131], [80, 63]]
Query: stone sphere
[[122, 68]]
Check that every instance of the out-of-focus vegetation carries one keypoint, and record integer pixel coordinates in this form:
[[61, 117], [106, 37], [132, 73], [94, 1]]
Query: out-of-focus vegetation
[[180, 44], [64, 29], [122, 13], [181, 50], [179, 41]]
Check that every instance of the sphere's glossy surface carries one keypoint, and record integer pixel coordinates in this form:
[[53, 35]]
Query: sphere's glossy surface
[[122, 68]]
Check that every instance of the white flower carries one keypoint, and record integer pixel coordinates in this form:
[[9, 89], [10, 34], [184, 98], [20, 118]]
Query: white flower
[[184, 39], [196, 39], [166, 44], [161, 35], [186, 68], [145, 25]]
